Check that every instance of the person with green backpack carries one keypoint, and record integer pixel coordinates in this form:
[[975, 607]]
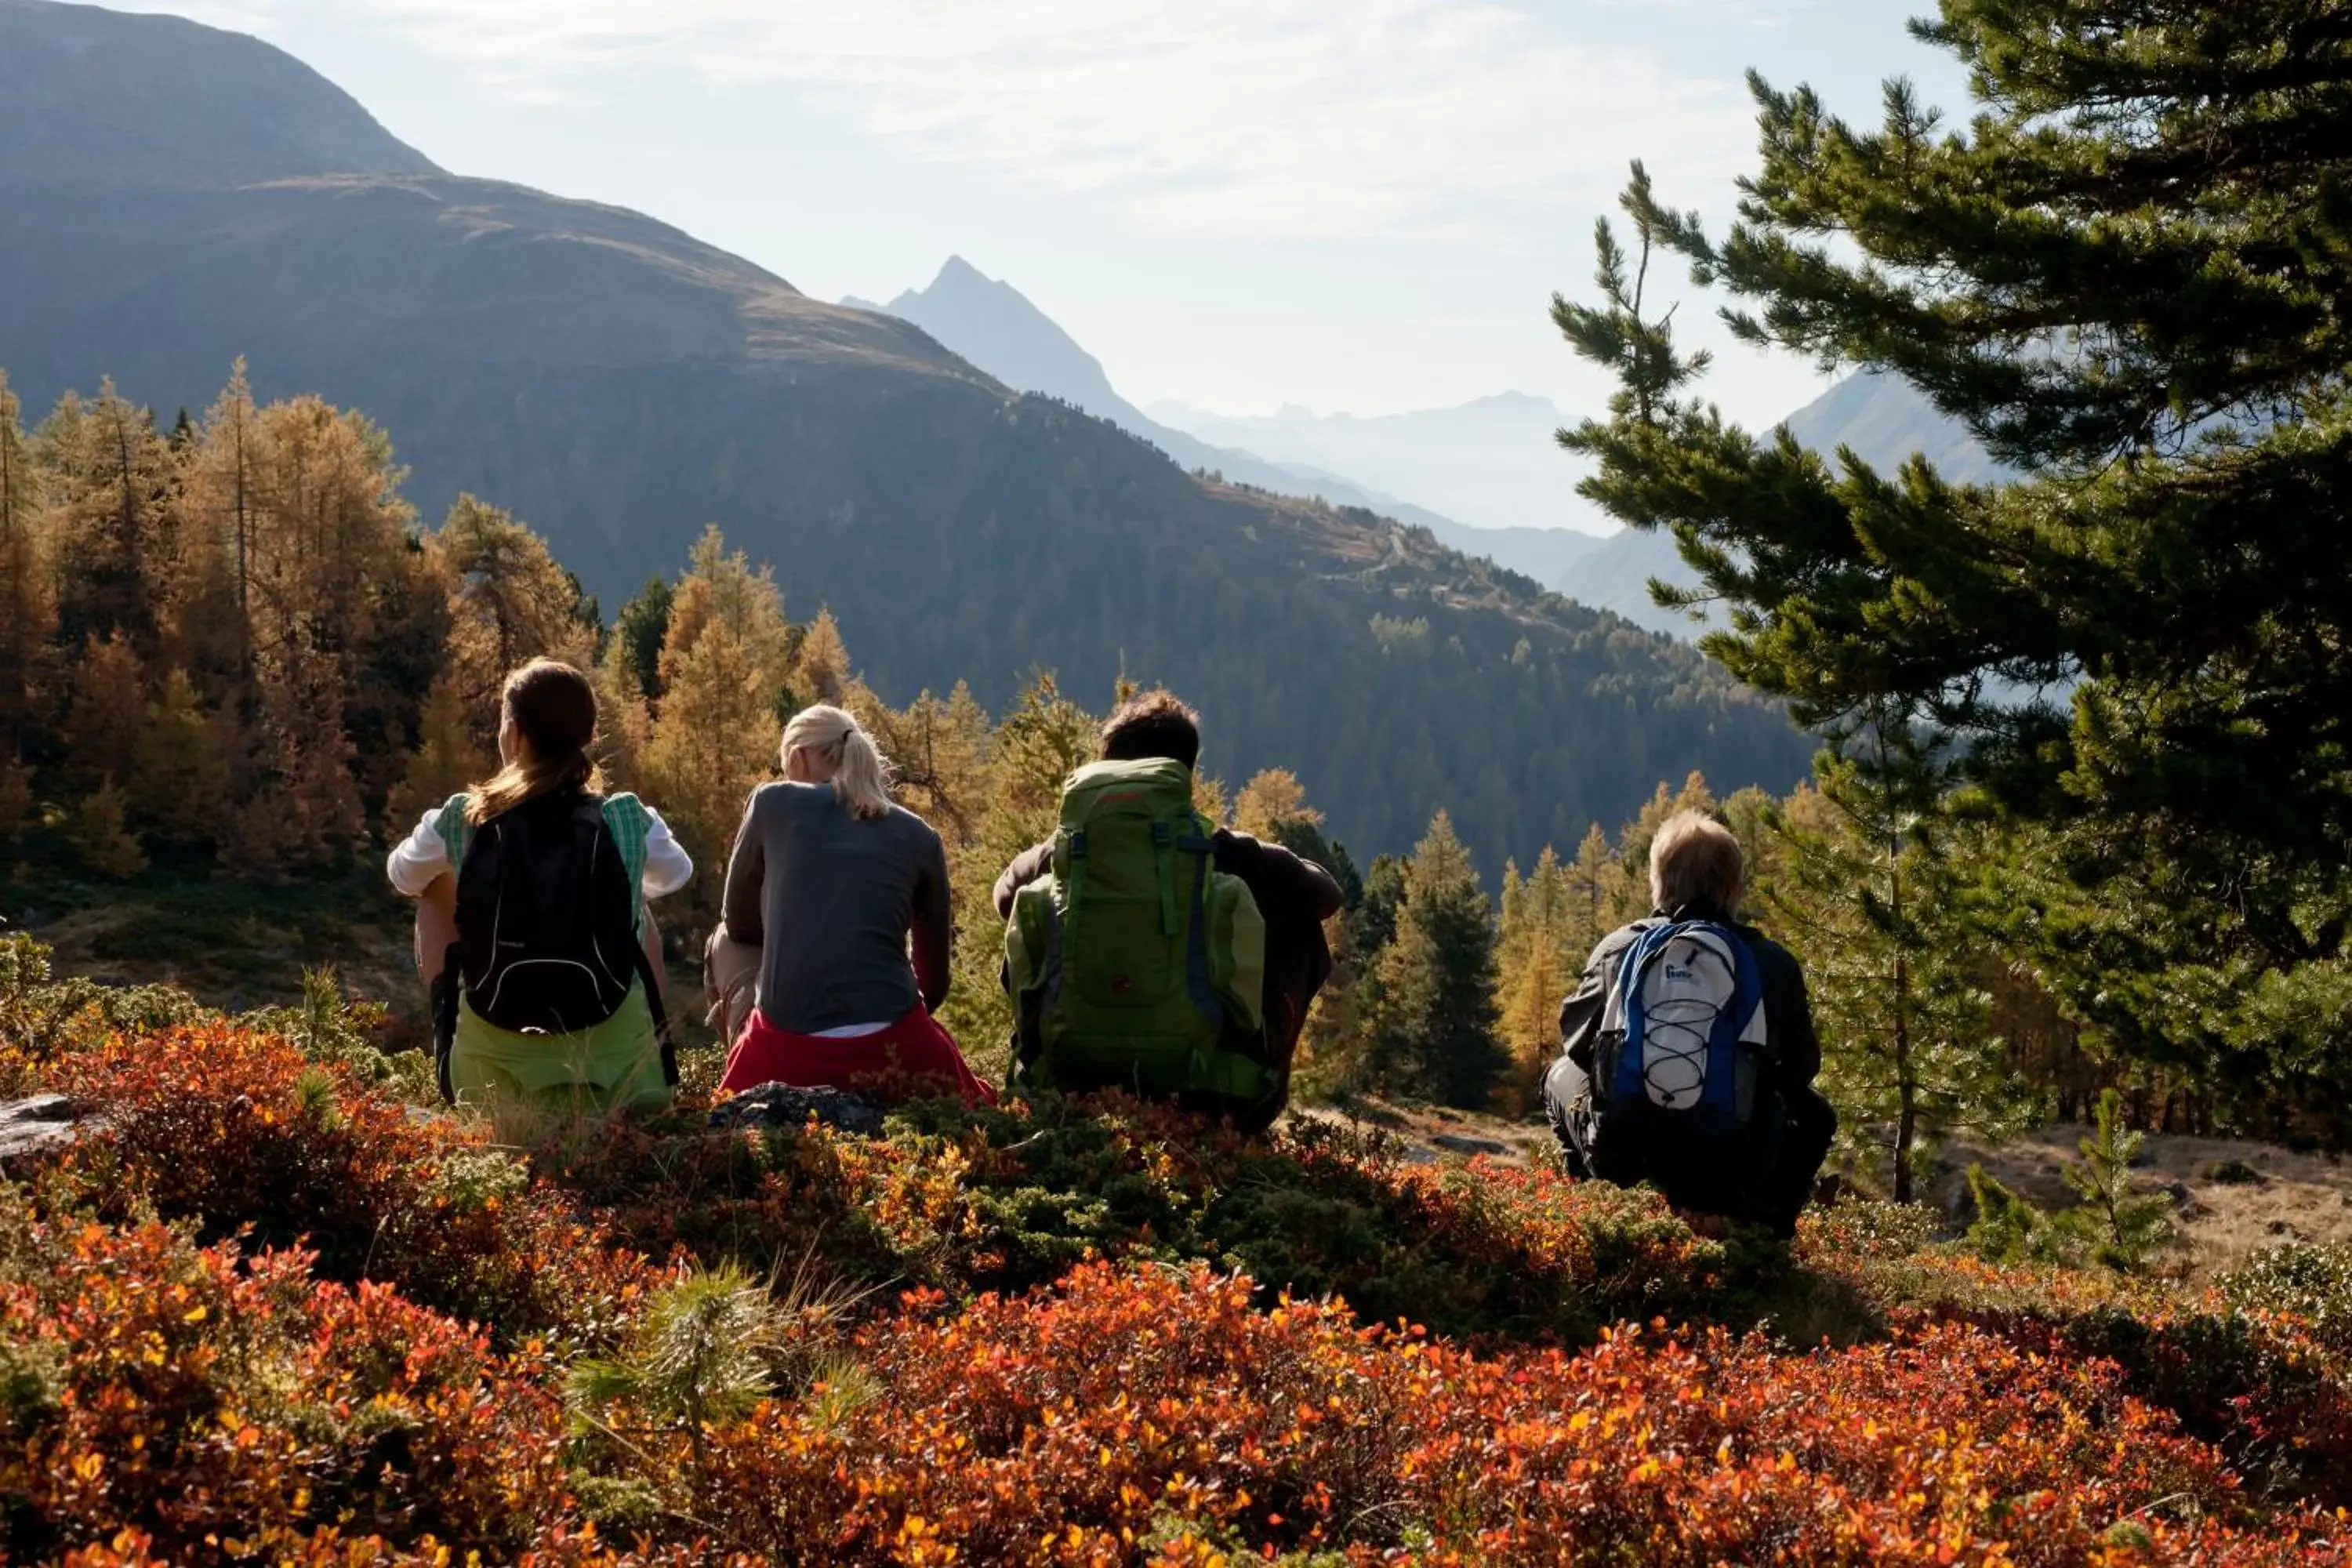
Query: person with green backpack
[[1148, 949]]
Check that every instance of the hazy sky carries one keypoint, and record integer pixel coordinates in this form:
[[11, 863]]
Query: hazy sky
[[1350, 205]]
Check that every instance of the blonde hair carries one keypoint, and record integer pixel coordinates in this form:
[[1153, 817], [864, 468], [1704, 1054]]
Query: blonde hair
[[1695, 861], [554, 709], [860, 772]]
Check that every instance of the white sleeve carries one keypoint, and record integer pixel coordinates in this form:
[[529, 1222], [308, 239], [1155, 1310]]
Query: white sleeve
[[416, 861], [668, 865]]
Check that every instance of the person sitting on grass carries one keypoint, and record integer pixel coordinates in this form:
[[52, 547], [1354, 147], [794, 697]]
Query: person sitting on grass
[[532, 935], [829, 880], [1199, 950], [1688, 1050]]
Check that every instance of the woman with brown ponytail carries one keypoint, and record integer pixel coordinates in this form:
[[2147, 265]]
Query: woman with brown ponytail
[[830, 885], [532, 933]]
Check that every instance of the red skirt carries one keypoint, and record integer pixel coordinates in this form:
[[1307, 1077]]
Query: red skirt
[[915, 1046]]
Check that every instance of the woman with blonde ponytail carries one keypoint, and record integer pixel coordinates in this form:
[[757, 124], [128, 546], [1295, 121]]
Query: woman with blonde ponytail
[[830, 886], [533, 933]]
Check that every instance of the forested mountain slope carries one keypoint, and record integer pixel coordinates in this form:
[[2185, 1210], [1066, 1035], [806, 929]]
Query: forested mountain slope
[[620, 385]]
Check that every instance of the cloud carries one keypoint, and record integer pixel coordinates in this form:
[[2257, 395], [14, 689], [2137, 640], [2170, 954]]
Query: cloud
[[1326, 118]]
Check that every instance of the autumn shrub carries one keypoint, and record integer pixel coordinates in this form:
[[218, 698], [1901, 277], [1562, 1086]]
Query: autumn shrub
[[224, 1401], [240, 1134], [1071, 1424], [43, 1016], [1005, 1199], [2308, 1282], [263, 1310], [2260, 1384]]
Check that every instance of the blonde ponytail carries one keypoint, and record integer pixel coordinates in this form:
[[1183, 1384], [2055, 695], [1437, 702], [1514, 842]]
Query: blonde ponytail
[[845, 754]]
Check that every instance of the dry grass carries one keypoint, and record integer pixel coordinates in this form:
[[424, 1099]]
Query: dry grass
[[2297, 1198]]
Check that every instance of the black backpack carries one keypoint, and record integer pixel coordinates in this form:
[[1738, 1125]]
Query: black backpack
[[547, 928]]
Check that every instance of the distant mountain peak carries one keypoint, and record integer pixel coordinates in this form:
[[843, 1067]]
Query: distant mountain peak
[[998, 328]]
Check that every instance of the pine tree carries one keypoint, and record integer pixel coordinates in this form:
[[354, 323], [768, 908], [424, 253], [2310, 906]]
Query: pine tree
[[1434, 1030], [514, 604], [1872, 904], [179, 780], [300, 808], [940, 752], [111, 479], [721, 588], [710, 747], [1271, 800], [821, 673], [634, 655], [103, 720], [1043, 739], [447, 758], [2124, 276], [27, 602], [102, 835], [2125, 1226], [1590, 884], [1535, 956], [224, 500]]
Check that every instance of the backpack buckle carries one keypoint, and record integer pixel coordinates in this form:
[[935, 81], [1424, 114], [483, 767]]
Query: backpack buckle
[[1162, 836], [1078, 846]]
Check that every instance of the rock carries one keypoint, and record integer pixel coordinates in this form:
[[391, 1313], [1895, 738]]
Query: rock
[[2184, 1202], [782, 1105], [32, 1126], [1462, 1143], [2234, 1174]]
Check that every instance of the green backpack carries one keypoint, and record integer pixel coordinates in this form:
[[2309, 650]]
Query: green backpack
[[1135, 963]]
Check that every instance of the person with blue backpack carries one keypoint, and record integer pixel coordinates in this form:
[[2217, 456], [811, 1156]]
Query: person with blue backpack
[[1688, 1051]]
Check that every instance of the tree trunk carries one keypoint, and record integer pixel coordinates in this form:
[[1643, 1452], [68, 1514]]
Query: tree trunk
[[1906, 1078], [1906, 1088]]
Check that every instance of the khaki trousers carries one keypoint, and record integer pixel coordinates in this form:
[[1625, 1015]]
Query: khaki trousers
[[730, 982]]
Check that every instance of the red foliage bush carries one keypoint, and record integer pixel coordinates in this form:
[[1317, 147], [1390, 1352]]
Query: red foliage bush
[[240, 1133], [1063, 1425], [235, 1322], [230, 1403]]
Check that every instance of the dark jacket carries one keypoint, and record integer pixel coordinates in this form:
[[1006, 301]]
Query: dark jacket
[[1795, 1049], [1294, 896]]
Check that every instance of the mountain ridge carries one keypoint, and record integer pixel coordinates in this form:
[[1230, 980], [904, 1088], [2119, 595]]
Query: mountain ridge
[[181, 131], [620, 384]]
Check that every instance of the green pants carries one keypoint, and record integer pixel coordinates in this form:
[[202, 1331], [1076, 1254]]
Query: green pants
[[615, 1065]]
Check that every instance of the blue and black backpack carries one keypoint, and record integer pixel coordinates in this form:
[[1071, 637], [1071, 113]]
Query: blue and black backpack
[[1690, 1001]]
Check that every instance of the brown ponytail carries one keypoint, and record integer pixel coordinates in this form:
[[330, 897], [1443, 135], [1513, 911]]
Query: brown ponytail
[[554, 709]]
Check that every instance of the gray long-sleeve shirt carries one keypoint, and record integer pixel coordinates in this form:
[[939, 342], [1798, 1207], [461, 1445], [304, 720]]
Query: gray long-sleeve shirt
[[831, 900]]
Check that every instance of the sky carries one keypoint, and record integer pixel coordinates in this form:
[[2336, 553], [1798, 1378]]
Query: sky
[[1349, 206]]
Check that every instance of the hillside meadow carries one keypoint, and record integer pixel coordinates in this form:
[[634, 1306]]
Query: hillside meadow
[[258, 1303]]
